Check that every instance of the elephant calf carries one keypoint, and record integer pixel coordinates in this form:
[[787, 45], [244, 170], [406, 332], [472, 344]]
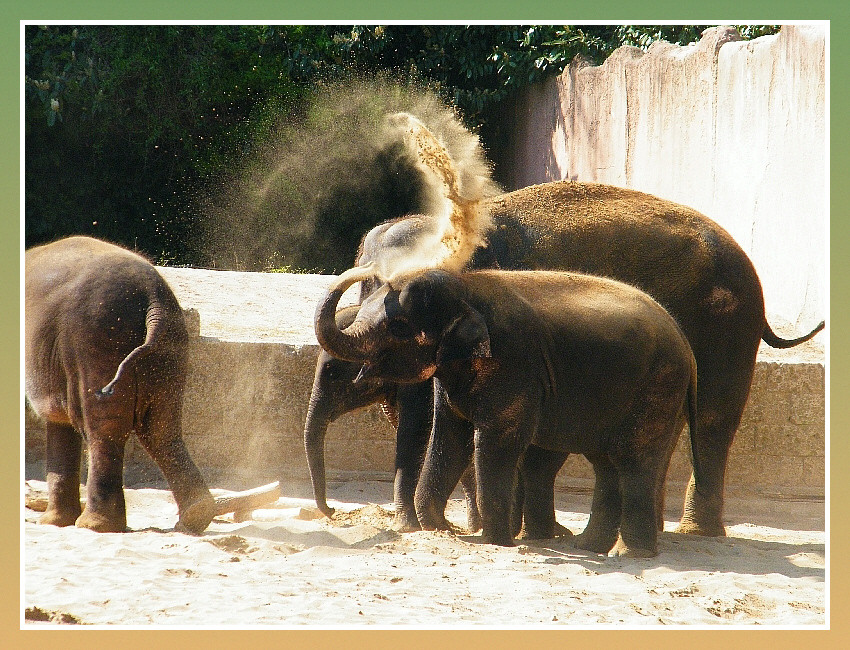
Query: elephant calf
[[106, 355], [553, 362]]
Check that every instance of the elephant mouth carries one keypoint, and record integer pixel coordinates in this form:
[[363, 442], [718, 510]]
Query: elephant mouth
[[378, 370]]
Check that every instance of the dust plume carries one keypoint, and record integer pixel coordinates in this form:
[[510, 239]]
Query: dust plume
[[453, 222], [328, 171]]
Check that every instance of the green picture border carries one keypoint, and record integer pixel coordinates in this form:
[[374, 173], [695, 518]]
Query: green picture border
[[527, 11]]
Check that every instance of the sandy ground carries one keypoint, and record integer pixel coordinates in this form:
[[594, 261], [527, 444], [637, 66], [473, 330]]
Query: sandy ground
[[284, 569], [287, 569]]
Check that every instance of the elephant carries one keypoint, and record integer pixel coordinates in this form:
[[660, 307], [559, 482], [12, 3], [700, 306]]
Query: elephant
[[683, 259], [335, 392], [106, 355], [568, 362]]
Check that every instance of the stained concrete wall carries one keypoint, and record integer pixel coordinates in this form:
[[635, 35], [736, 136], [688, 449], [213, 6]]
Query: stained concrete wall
[[735, 129]]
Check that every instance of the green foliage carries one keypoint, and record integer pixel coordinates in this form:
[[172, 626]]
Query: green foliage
[[128, 127]]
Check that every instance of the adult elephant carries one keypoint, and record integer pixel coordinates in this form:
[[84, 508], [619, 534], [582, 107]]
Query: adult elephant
[[568, 362], [105, 349], [684, 260]]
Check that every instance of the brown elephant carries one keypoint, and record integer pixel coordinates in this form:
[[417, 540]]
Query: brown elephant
[[681, 258], [105, 348], [569, 363]]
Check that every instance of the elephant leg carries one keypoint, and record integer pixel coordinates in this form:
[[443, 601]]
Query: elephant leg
[[538, 469], [661, 483], [62, 454], [638, 525], [720, 404], [600, 533], [473, 515], [105, 511], [497, 454], [447, 458], [161, 438], [415, 415]]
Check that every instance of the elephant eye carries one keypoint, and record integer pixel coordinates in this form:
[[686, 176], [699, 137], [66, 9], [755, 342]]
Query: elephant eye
[[400, 329]]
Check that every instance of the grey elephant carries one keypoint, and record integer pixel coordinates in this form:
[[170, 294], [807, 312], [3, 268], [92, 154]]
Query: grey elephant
[[105, 348], [570, 363], [335, 392], [681, 258]]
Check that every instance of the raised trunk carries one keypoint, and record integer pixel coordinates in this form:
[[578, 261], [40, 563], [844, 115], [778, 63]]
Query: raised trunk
[[350, 344]]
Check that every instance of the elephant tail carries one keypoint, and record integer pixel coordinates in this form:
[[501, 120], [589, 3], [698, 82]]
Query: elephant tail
[[153, 323], [774, 341], [692, 427]]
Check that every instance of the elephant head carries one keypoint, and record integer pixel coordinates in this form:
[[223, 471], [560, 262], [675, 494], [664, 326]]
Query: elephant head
[[404, 333]]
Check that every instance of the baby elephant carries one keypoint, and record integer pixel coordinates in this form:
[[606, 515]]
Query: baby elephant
[[561, 362], [106, 355]]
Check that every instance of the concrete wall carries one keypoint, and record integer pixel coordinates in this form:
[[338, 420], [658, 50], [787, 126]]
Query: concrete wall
[[735, 129]]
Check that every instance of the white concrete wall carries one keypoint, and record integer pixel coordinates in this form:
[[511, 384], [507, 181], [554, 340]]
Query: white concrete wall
[[735, 129]]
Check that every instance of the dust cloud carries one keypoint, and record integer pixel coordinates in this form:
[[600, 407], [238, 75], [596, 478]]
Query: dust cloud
[[325, 175], [453, 223]]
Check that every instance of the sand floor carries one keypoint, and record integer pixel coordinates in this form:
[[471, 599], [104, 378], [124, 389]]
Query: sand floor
[[284, 569]]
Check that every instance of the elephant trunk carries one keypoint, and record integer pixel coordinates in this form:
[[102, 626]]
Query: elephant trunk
[[315, 429], [351, 344]]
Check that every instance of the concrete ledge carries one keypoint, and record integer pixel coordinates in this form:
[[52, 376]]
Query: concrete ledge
[[246, 401]]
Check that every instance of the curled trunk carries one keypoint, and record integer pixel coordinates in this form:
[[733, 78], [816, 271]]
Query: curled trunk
[[350, 344]]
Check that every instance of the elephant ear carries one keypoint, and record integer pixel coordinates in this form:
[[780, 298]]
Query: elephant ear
[[464, 339]]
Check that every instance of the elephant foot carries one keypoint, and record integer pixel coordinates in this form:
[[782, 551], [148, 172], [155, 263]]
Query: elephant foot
[[550, 532], [497, 535], [101, 523], [561, 531], [405, 522], [497, 540], [433, 518], [690, 527], [593, 542], [57, 517], [703, 513], [621, 549], [695, 521], [195, 518], [473, 522]]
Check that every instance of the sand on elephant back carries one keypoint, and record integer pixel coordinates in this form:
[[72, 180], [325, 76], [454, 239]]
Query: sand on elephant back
[[287, 568]]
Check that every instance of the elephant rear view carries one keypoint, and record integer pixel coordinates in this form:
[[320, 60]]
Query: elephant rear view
[[105, 348]]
